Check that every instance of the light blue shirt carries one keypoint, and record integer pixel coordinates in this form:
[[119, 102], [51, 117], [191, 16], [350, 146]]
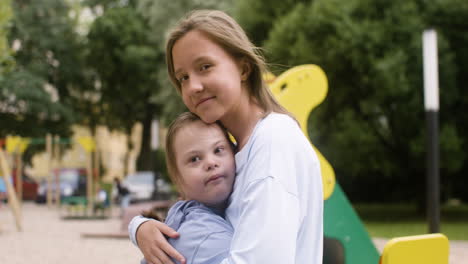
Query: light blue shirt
[[205, 236]]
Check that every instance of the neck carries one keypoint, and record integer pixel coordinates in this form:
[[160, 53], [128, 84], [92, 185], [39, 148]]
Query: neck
[[241, 122], [219, 208]]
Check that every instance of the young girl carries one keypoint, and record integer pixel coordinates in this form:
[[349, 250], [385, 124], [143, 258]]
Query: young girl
[[200, 161], [276, 207]]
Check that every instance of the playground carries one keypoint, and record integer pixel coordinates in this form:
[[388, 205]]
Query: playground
[[62, 242], [346, 238], [356, 95], [47, 239]]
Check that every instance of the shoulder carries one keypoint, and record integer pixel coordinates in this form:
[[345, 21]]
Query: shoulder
[[278, 135], [187, 215], [277, 129], [203, 234], [277, 122], [277, 149]]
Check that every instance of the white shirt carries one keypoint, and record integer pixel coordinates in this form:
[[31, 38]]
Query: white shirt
[[276, 207]]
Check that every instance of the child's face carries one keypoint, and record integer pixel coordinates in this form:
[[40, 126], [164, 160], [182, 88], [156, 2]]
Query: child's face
[[209, 77], [205, 162]]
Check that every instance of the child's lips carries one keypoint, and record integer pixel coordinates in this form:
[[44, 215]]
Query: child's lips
[[214, 178]]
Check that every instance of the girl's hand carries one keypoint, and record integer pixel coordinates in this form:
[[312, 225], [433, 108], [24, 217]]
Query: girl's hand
[[153, 244]]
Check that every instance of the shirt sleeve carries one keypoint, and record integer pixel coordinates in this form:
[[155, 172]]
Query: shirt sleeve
[[269, 225], [134, 225], [213, 249]]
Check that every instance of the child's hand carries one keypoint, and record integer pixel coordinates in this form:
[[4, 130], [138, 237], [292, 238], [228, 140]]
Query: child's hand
[[153, 244]]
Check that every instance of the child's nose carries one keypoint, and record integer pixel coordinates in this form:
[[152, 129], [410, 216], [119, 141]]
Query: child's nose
[[211, 164]]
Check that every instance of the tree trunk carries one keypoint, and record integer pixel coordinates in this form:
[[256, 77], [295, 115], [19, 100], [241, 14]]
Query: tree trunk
[[145, 159]]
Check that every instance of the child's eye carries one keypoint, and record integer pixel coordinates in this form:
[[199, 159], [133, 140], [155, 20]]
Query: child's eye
[[219, 149], [194, 159]]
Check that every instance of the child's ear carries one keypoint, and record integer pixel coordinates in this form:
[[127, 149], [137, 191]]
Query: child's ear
[[246, 69]]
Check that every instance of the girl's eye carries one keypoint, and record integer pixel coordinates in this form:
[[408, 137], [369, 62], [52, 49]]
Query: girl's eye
[[205, 67], [182, 78]]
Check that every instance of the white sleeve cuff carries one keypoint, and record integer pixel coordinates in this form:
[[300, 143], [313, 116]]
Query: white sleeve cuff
[[133, 227]]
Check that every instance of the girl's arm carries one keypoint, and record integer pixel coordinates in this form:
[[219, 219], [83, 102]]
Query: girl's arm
[[148, 235]]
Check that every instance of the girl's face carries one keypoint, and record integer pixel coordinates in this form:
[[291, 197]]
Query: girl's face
[[209, 77], [205, 162]]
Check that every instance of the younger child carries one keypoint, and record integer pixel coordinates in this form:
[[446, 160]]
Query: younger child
[[200, 161]]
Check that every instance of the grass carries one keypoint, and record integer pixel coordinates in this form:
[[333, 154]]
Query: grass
[[395, 220]]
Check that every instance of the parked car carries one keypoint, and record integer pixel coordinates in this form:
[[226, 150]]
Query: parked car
[[72, 183], [3, 191], [142, 186], [30, 187]]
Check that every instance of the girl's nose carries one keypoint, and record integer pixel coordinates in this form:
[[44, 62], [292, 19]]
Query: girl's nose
[[194, 85]]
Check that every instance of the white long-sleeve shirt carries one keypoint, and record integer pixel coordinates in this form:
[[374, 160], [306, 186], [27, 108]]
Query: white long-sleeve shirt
[[276, 207]]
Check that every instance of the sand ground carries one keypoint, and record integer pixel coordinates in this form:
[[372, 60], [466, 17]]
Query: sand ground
[[48, 239]]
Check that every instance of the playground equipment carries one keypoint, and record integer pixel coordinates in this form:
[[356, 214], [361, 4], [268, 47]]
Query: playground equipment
[[16, 146], [12, 200], [346, 241], [427, 249]]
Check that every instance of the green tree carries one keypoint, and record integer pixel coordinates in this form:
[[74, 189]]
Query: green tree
[[258, 17], [5, 53], [34, 92], [124, 60], [448, 17], [371, 126]]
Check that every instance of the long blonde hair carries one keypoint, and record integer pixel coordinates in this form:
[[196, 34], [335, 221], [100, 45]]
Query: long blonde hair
[[226, 32], [181, 121]]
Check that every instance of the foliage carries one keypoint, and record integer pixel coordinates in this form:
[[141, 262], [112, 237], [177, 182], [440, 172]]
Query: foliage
[[123, 59], [5, 54], [371, 126], [258, 17], [34, 91]]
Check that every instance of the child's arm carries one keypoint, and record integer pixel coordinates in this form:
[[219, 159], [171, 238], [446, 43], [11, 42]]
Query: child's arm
[[149, 234]]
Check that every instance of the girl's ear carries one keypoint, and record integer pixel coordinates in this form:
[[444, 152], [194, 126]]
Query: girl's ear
[[246, 69]]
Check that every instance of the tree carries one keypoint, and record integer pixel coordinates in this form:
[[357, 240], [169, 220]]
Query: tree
[[5, 53], [124, 60], [371, 126], [258, 17], [35, 89], [449, 19]]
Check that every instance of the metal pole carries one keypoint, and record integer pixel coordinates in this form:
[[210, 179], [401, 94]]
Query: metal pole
[[50, 169], [433, 178], [431, 104], [57, 166]]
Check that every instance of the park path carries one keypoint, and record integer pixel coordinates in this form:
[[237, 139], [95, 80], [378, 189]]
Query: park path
[[47, 239]]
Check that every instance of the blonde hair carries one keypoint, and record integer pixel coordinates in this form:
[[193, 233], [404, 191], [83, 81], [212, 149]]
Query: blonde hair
[[227, 33], [181, 121]]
